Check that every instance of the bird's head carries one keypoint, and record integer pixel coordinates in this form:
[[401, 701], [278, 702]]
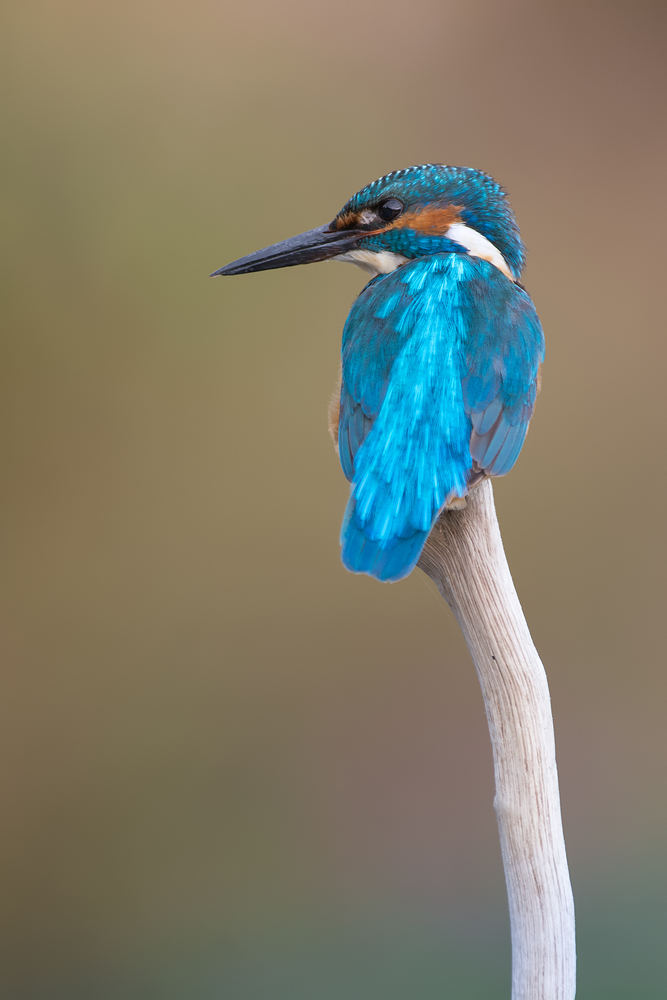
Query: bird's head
[[407, 214]]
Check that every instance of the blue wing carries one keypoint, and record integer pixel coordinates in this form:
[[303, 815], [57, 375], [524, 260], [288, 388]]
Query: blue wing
[[503, 353], [440, 364]]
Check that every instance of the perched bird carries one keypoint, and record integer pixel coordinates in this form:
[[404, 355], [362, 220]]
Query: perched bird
[[441, 352]]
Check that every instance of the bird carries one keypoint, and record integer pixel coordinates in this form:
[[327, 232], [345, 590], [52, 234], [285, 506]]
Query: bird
[[441, 352]]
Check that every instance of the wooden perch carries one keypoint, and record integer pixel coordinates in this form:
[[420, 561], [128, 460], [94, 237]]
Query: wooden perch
[[464, 556]]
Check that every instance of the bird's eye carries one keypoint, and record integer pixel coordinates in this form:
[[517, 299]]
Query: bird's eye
[[390, 209]]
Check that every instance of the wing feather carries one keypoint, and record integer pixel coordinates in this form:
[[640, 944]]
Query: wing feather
[[440, 368], [504, 351]]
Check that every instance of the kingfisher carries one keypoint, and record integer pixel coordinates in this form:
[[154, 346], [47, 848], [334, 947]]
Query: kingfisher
[[441, 352]]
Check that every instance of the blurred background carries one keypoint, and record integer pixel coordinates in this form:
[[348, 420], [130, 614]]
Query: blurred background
[[229, 768]]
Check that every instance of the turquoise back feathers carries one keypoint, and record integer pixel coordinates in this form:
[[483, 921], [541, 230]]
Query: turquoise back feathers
[[440, 368]]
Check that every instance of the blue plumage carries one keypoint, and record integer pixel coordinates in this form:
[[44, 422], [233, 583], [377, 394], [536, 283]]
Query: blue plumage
[[440, 358], [441, 352]]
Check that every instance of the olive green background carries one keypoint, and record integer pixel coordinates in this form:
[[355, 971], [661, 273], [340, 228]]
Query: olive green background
[[229, 768]]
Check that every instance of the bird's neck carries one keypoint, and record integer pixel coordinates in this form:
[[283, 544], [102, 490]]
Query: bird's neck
[[408, 244]]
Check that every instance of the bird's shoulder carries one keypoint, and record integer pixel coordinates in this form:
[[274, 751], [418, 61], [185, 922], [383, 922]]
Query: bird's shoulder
[[437, 279], [470, 293]]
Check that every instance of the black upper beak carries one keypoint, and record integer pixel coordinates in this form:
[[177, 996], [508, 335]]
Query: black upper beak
[[317, 244]]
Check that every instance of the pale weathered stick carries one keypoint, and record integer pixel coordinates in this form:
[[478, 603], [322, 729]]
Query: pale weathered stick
[[465, 557]]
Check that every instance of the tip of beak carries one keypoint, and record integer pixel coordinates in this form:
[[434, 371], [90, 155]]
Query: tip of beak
[[320, 243]]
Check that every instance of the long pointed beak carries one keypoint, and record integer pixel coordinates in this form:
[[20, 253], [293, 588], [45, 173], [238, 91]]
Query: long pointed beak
[[317, 244]]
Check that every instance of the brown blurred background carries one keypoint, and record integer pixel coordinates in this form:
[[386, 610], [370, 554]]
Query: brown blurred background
[[229, 768]]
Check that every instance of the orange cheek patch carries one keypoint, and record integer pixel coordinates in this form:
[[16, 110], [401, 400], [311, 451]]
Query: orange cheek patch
[[433, 221]]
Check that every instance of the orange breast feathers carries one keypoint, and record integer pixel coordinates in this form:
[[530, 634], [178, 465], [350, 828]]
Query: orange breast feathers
[[334, 408]]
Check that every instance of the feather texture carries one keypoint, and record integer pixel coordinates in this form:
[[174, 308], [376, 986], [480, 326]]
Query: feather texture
[[440, 363]]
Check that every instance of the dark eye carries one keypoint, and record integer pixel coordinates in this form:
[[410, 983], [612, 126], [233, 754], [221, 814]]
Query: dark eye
[[390, 209]]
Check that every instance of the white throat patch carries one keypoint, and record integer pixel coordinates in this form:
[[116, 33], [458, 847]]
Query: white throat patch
[[382, 262], [478, 246]]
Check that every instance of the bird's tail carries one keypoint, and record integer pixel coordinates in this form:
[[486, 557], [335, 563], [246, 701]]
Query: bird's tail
[[387, 559]]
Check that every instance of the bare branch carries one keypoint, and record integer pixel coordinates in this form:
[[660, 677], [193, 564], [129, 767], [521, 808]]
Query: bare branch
[[465, 557]]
